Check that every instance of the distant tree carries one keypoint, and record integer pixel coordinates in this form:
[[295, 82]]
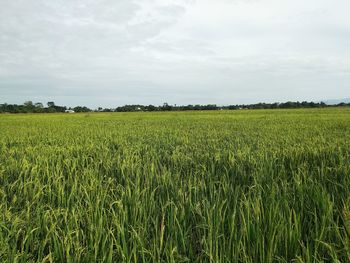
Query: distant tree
[[151, 108], [39, 105], [81, 109], [28, 103], [51, 110], [50, 104], [166, 107], [28, 106]]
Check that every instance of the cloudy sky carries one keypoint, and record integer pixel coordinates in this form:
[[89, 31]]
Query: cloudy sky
[[114, 52]]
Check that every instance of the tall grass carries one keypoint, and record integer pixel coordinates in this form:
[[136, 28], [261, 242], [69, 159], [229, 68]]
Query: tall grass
[[228, 186]]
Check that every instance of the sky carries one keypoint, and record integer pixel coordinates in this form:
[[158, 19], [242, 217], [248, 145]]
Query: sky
[[114, 52]]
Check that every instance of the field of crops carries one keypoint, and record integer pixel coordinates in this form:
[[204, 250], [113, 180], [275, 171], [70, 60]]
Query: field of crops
[[221, 186]]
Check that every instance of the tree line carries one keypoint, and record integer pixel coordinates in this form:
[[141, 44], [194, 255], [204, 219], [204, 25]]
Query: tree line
[[51, 107], [38, 107]]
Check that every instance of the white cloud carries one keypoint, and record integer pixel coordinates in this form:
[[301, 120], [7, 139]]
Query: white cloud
[[110, 52]]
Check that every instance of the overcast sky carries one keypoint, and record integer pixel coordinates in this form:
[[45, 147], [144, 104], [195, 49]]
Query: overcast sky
[[114, 52]]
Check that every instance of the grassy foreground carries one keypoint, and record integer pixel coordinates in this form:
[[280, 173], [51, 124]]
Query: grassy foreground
[[223, 186]]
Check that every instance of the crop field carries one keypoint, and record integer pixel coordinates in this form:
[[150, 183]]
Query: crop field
[[219, 186]]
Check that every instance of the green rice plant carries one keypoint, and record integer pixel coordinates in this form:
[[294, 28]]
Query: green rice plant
[[218, 186]]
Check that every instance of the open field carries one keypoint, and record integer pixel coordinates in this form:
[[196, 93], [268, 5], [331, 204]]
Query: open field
[[221, 186]]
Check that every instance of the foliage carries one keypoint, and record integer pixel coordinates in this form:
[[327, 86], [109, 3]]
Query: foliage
[[29, 107]]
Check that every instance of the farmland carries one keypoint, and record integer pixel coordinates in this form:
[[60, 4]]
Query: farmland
[[220, 186]]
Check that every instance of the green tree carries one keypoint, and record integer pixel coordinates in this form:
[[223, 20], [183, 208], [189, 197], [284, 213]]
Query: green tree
[[50, 104]]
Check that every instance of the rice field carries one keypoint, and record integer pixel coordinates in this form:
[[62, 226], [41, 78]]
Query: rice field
[[219, 186]]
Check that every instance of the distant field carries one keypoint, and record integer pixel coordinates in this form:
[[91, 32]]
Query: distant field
[[220, 186]]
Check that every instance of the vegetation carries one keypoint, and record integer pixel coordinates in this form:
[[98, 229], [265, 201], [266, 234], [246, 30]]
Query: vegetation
[[30, 107], [219, 186]]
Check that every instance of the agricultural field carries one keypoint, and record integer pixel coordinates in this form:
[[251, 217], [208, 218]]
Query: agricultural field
[[219, 186]]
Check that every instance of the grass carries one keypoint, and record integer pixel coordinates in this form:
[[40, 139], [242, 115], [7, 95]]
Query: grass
[[223, 186]]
